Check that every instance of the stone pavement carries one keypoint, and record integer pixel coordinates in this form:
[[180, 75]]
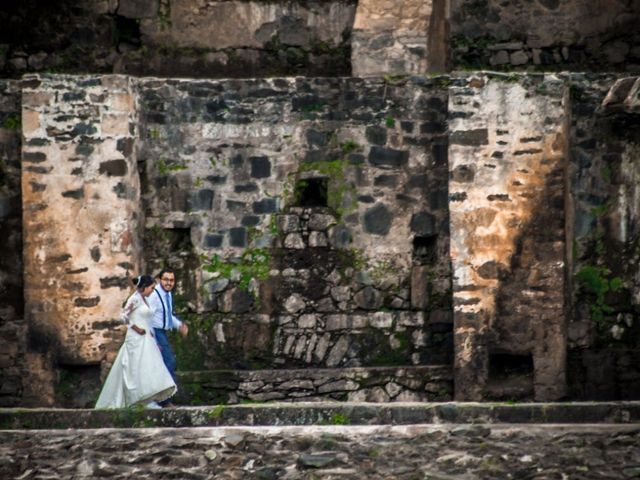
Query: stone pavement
[[330, 440], [434, 452]]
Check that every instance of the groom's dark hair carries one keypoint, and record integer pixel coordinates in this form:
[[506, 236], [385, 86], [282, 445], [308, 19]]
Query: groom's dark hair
[[166, 270]]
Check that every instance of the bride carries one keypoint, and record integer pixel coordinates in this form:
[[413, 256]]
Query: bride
[[138, 376]]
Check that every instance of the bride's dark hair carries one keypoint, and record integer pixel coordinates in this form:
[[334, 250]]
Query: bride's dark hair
[[143, 281]]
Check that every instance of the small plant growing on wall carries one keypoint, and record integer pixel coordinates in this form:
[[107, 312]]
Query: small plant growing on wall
[[253, 263], [596, 283]]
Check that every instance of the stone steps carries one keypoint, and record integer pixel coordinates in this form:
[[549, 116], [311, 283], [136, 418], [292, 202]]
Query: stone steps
[[325, 413]]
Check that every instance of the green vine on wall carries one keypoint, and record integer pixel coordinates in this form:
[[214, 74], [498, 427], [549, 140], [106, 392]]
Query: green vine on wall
[[595, 282], [253, 263]]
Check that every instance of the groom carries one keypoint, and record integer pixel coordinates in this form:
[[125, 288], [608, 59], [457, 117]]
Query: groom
[[161, 302]]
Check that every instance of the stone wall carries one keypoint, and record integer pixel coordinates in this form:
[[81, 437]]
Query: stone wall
[[507, 156], [309, 220], [579, 35], [374, 384], [319, 207], [605, 147], [81, 212], [401, 37], [12, 331], [11, 303], [253, 38], [177, 37]]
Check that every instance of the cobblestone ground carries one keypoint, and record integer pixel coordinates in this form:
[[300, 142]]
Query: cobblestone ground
[[434, 452]]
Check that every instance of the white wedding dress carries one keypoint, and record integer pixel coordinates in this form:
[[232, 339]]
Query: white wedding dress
[[138, 375]]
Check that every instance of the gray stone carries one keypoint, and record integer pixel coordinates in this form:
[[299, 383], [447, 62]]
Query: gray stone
[[337, 322], [392, 389], [368, 298], [260, 167], [266, 205], [377, 395], [218, 285], [423, 224], [519, 58], [341, 294], [18, 64], [471, 431], [325, 305], [318, 239], [338, 386], [476, 137], [213, 240], [288, 223], [138, 9], [337, 352], [307, 321], [388, 157], [307, 460], [410, 319], [236, 300], [321, 347], [318, 221], [377, 220], [382, 320], [201, 200], [420, 287], [376, 135], [238, 237], [294, 303], [340, 236], [294, 241], [37, 60], [300, 347]]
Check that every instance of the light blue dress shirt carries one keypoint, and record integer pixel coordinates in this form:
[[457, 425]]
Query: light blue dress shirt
[[160, 305]]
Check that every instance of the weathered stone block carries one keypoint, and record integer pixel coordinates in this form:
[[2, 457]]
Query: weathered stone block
[[337, 322], [213, 240], [423, 224], [337, 352], [201, 200], [381, 320], [288, 223], [376, 135], [377, 219], [318, 239], [476, 137], [307, 321], [388, 157], [294, 241], [266, 205], [294, 303], [260, 167], [113, 168], [238, 237], [369, 298]]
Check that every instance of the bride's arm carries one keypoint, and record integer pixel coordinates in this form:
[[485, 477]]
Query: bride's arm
[[133, 303]]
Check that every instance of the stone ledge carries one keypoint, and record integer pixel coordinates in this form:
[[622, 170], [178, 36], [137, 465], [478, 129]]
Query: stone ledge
[[325, 413]]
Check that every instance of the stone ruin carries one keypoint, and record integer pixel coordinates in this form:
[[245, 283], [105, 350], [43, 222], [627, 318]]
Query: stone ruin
[[391, 233]]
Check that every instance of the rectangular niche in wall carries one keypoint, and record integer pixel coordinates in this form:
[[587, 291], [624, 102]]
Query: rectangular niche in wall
[[312, 192], [510, 376], [424, 249]]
